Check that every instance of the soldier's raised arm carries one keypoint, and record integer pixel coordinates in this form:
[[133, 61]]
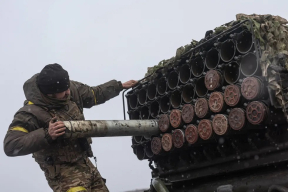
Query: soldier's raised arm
[[24, 136], [96, 95]]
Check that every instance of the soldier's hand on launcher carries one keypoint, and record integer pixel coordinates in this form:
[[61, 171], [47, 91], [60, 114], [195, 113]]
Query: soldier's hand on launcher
[[129, 84], [56, 128]]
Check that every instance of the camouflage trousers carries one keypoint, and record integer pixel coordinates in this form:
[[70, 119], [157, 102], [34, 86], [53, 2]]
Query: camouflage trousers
[[81, 176]]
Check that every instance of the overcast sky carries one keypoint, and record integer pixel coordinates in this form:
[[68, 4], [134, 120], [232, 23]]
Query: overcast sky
[[96, 41]]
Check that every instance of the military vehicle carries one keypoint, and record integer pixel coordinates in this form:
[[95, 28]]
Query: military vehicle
[[213, 117]]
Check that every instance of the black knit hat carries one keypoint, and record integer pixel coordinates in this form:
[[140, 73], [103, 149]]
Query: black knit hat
[[53, 79]]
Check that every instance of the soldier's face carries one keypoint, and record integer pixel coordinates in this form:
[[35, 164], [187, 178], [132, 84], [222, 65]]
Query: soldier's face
[[62, 95]]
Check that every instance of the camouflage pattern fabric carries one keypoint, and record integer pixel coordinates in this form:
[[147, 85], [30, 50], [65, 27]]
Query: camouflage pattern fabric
[[79, 176], [170, 62], [64, 161], [272, 34]]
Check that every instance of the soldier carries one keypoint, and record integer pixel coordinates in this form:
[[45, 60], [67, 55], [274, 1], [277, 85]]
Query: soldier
[[37, 128]]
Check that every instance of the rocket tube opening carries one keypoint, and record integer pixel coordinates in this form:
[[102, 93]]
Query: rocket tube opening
[[175, 99], [133, 101], [188, 93], [134, 115], [142, 96], [200, 87], [165, 104], [154, 109], [212, 58], [138, 139], [162, 86], [232, 73], [185, 73], [249, 65], [197, 66], [140, 152], [144, 112], [244, 42], [173, 80], [227, 50], [148, 150], [151, 91], [164, 122]]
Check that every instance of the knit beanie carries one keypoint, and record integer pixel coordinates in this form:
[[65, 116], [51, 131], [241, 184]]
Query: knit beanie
[[53, 79]]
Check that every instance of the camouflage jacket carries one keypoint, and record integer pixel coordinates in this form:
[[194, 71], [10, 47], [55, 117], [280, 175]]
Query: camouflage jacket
[[26, 133]]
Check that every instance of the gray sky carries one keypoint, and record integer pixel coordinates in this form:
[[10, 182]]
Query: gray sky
[[96, 41]]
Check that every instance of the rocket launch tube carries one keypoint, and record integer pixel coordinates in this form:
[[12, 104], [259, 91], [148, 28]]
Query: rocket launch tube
[[110, 128]]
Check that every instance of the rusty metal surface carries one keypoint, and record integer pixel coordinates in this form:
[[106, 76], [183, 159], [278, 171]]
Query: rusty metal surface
[[191, 134], [175, 118], [164, 122], [220, 124], [156, 145], [216, 102], [188, 113], [167, 142], [201, 107], [205, 129], [232, 95], [256, 112], [109, 128], [250, 88], [178, 137], [213, 79], [236, 118]]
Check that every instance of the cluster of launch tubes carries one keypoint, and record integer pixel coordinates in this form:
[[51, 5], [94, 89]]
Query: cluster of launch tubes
[[217, 92]]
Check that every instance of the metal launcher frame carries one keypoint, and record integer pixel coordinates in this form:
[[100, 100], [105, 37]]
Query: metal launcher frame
[[218, 122]]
